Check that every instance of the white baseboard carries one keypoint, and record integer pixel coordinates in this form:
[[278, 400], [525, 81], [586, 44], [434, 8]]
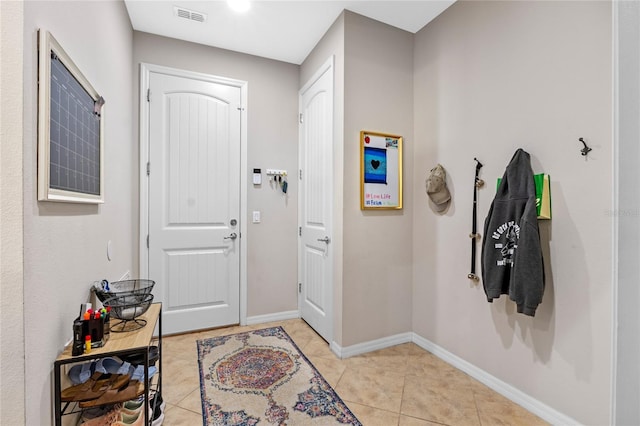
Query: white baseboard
[[278, 316], [526, 401], [373, 345]]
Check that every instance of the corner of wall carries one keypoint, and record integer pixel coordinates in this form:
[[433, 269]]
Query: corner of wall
[[12, 362]]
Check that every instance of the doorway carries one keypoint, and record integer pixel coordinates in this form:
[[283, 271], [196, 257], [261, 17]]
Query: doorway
[[193, 160], [315, 254]]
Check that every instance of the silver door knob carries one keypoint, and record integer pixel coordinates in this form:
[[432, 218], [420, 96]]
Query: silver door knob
[[233, 236], [325, 240]]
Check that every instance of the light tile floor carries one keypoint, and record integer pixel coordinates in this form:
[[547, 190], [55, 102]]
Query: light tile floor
[[403, 385]]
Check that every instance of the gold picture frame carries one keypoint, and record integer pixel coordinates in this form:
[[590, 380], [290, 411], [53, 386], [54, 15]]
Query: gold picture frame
[[380, 171]]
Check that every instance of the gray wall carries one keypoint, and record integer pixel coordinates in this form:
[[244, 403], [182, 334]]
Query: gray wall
[[377, 244], [491, 77], [12, 372], [272, 113], [65, 244], [373, 91]]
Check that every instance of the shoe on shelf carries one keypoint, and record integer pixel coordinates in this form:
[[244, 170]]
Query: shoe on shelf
[[92, 413], [135, 405], [91, 389], [80, 373], [157, 404], [117, 418], [108, 375], [94, 418], [157, 421], [132, 420], [137, 373], [139, 358], [113, 366], [114, 395]]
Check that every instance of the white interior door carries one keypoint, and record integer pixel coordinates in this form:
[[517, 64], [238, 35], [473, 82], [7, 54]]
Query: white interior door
[[316, 201], [194, 201]]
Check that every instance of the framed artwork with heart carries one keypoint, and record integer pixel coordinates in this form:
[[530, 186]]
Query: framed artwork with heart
[[380, 171]]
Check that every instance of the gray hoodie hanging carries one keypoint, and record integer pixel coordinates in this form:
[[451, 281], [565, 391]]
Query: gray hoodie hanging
[[511, 252]]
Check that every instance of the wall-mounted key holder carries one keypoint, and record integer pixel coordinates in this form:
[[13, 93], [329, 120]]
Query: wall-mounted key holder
[[279, 177], [276, 172]]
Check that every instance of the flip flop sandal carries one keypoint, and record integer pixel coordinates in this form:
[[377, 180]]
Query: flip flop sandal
[[113, 396], [106, 376], [114, 381], [90, 389]]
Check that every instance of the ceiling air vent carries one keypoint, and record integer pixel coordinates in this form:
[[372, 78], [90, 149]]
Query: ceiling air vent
[[189, 14]]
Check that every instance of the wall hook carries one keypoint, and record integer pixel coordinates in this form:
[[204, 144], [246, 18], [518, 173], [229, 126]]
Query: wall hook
[[586, 149]]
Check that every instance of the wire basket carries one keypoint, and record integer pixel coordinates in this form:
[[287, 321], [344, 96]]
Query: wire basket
[[137, 287], [127, 308]]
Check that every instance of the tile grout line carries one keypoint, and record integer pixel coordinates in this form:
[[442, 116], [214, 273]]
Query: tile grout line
[[404, 385], [475, 402]]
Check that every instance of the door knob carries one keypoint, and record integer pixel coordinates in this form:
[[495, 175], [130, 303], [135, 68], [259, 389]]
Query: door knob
[[233, 236], [325, 240]]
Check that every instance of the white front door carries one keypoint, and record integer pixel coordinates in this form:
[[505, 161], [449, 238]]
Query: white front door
[[194, 201], [316, 201]]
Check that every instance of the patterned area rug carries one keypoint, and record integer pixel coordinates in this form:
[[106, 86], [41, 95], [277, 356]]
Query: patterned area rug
[[261, 377]]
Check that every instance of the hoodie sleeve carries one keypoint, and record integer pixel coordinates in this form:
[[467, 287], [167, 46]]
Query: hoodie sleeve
[[528, 270]]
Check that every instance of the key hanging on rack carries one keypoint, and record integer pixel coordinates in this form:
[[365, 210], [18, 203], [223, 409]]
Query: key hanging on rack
[[279, 177]]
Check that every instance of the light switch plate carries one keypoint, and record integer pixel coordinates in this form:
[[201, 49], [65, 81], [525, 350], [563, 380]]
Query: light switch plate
[[256, 216]]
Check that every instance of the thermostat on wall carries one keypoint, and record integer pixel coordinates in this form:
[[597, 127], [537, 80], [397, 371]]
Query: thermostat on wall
[[257, 177]]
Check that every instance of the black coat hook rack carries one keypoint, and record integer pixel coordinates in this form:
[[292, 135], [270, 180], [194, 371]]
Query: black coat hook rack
[[586, 149]]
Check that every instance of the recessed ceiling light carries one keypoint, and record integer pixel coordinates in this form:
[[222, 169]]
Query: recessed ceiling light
[[239, 5]]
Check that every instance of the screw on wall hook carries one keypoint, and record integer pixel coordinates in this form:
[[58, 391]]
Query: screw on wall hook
[[586, 149]]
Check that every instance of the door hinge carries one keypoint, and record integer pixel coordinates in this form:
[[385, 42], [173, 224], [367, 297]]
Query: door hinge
[[148, 95], [300, 231], [299, 287], [301, 118], [147, 240], [148, 168], [300, 174]]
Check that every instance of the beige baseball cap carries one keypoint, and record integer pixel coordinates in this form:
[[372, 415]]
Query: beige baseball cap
[[437, 188]]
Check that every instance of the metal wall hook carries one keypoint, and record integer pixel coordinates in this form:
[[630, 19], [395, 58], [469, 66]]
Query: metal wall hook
[[478, 182], [586, 149]]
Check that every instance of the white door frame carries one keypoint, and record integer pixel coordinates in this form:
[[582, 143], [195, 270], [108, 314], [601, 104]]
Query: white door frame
[[145, 71]]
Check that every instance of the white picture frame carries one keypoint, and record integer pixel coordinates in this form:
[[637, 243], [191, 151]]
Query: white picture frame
[[70, 129]]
